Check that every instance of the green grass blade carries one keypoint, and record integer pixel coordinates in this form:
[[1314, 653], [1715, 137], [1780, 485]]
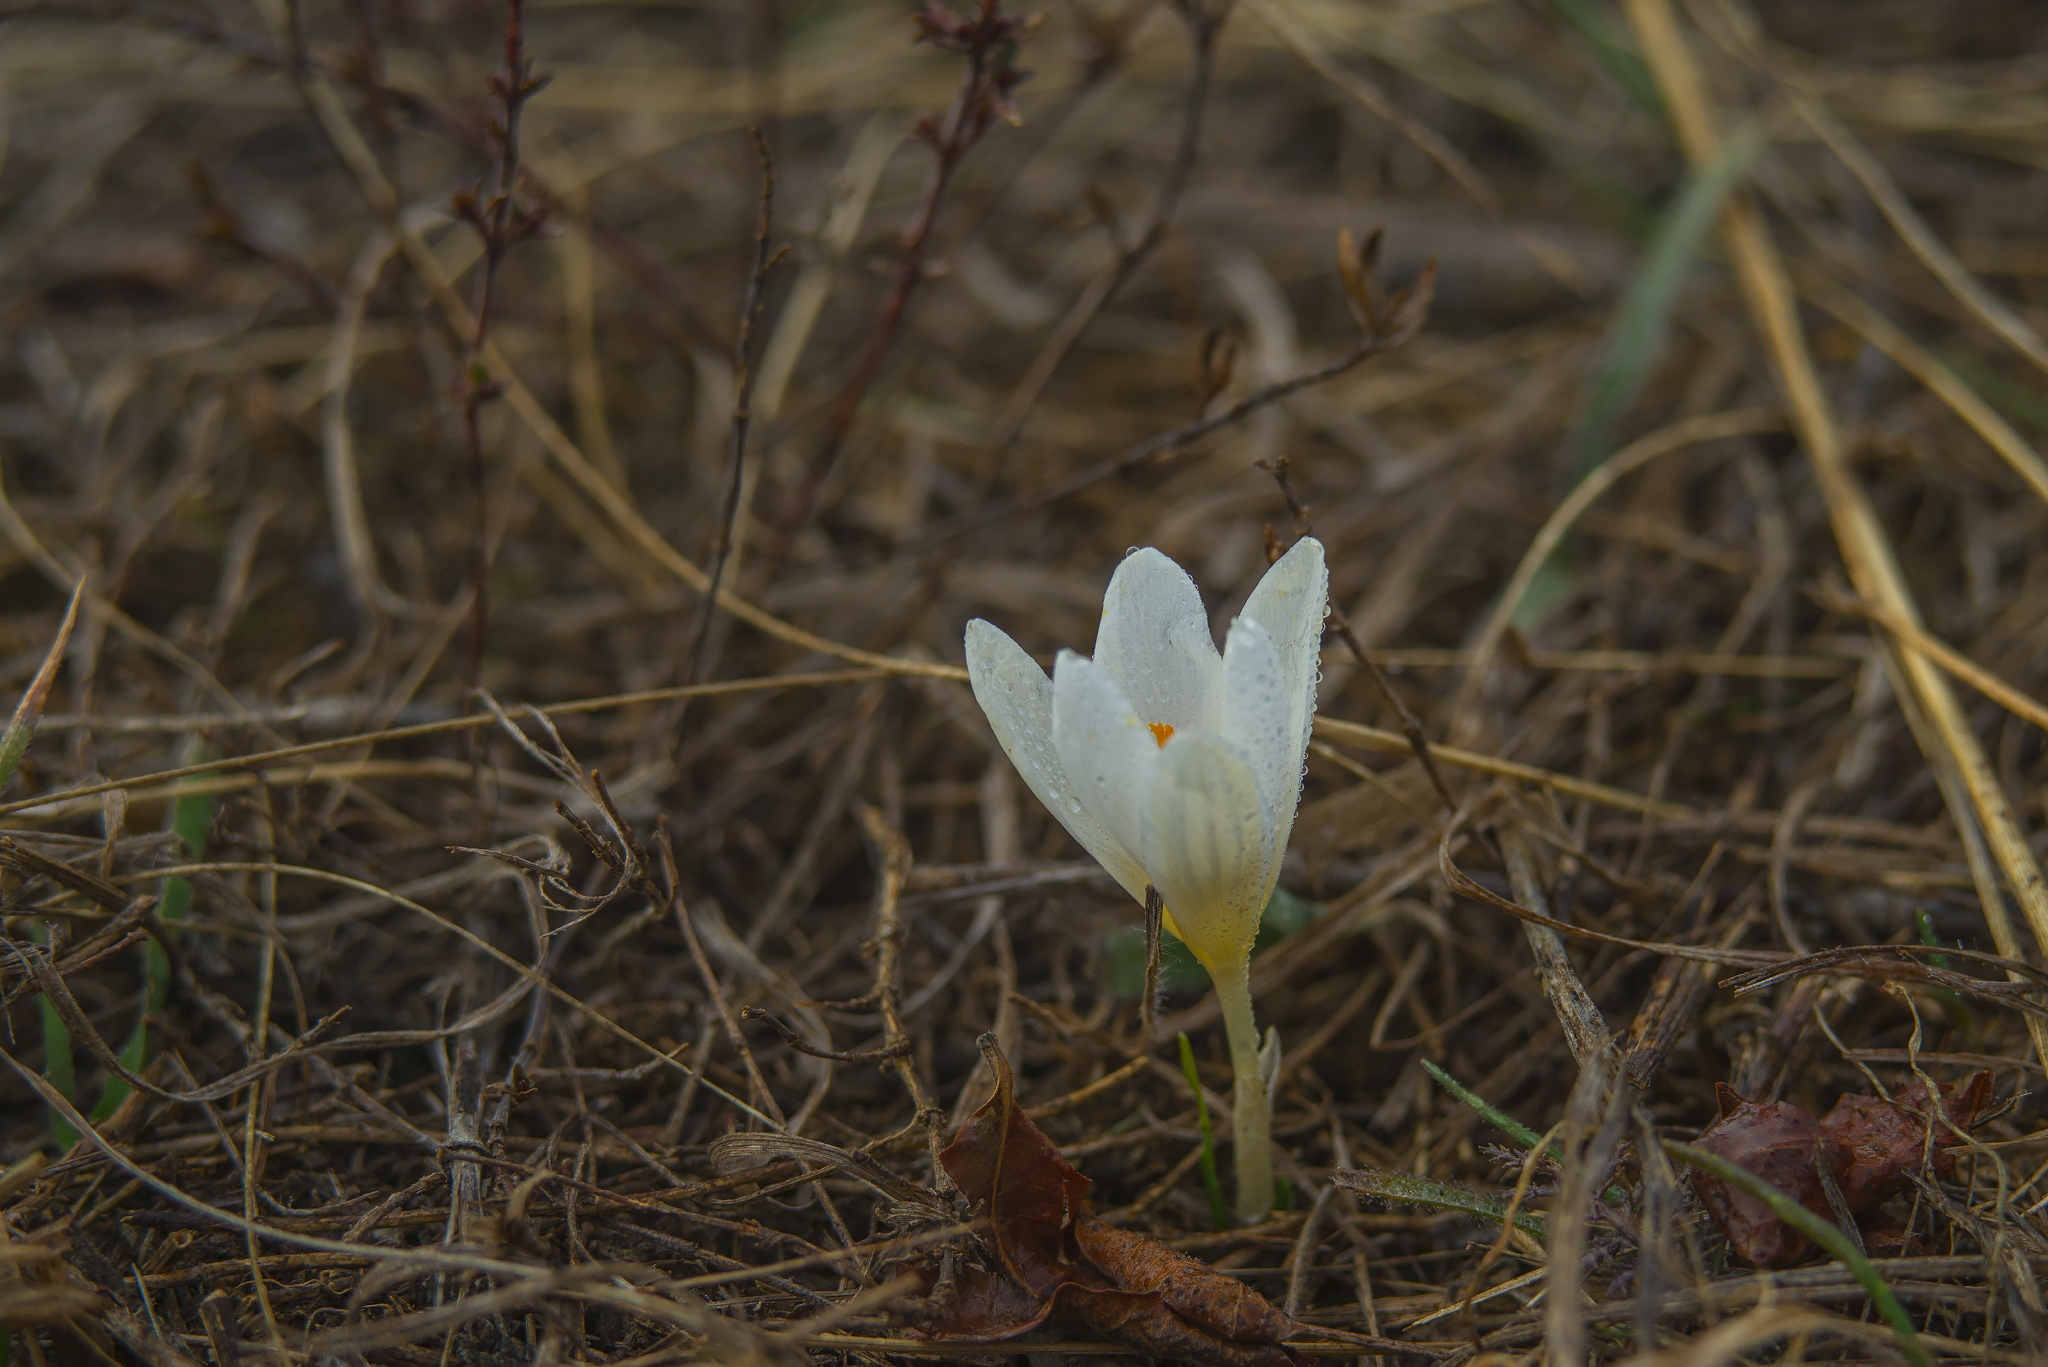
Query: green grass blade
[[1597, 29], [1507, 1124], [1635, 343], [1521, 1133], [1219, 1209], [57, 1061], [1953, 1007], [191, 818], [1424, 1191], [1644, 318], [14, 743], [1815, 1228]]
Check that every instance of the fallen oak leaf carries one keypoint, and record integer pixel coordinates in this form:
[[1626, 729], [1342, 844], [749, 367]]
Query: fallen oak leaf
[[1123, 1285], [1147, 1323], [1774, 1141], [1883, 1142], [1189, 1287], [977, 1306], [1001, 1158], [1871, 1148]]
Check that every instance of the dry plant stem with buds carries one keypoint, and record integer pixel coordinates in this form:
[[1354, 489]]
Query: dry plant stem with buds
[[1179, 769], [988, 41], [500, 223]]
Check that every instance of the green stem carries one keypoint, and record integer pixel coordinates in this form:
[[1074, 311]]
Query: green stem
[[57, 1060], [1251, 1114]]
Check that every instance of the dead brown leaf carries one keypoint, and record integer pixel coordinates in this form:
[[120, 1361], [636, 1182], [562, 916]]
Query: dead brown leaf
[[1776, 1141], [1884, 1141], [1124, 1285], [1871, 1147]]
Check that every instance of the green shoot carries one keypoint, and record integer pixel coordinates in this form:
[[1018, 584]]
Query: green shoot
[[191, 817], [1508, 1125], [1423, 1191], [1958, 1013], [1644, 318], [21, 730], [57, 1062], [1219, 1209]]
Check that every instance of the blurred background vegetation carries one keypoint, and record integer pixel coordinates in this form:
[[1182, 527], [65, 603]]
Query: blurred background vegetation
[[245, 397]]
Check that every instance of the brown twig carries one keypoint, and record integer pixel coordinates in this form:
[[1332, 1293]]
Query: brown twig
[[1155, 917], [1411, 306], [892, 855], [499, 223], [1204, 21], [797, 1042], [988, 41], [1411, 725], [742, 416]]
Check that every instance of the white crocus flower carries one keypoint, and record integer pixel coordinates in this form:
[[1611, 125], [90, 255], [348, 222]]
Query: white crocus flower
[[1180, 768]]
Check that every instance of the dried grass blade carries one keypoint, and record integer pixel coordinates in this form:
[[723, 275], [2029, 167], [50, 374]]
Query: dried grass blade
[[1946, 385], [1388, 742], [1638, 453], [1859, 535], [22, 729], [1921, 239]]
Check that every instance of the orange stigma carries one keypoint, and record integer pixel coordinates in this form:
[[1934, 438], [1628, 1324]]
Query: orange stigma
[[1161, 732]]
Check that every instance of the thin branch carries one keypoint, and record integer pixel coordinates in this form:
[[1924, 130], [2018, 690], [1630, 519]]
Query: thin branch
[[989, 42], [1411, 725], [1396, 331], [500, 224], [742, 416], [1203, 29], [894, 1049]]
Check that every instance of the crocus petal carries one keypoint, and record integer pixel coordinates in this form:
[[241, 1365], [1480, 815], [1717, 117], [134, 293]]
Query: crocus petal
[[1017, 698], [1290, 602], [1209, 846], [1106, 749], [1155, 642], [1258, 720]]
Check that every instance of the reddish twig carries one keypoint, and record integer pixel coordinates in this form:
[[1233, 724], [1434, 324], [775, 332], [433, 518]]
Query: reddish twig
[[988, 40], [1204, 22], [1411, 726], [500, 223], [743, 388]]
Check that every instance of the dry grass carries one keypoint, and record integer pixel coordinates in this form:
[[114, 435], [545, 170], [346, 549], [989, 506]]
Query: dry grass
[[1730, 663]]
